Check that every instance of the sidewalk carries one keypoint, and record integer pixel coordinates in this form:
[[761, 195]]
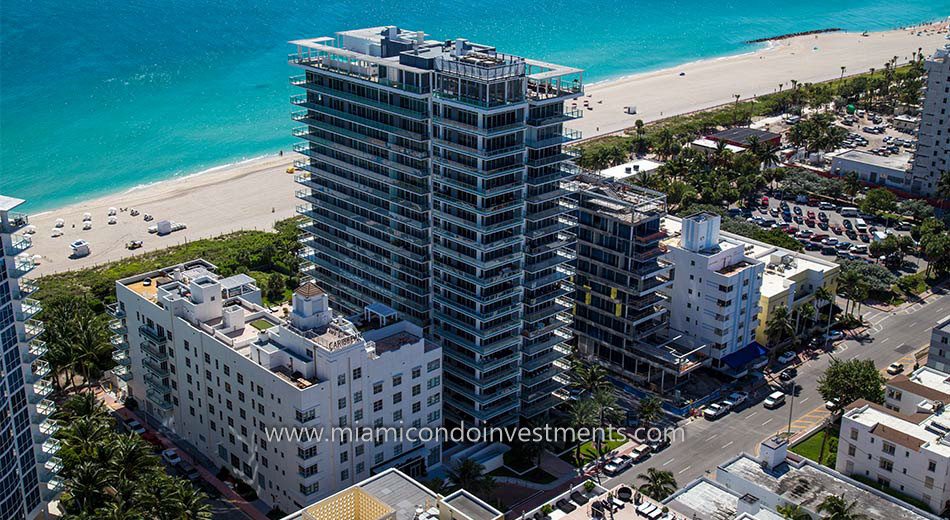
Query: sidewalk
[[226, 493]]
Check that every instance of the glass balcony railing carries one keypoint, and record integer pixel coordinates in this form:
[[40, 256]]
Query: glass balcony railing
[[15, 221], [51, 446], [159, 400], [120, 356], [117, 326], [122, 372], [25, 288], [152, 335], [22, 264], [54, 465], [55, 484], [49, 427], [32, 329], [154, 368], [42, 388], [113, 310], [29, 308], [39, 369], [19, 244], [36, 349], [119, 342], [565, 136], [45, 408]]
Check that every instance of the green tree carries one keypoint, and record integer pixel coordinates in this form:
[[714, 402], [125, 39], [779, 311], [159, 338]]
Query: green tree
[[848, 381], [779, 326], [657, 484], [879, 201], [650, 410], [793, 512], [852, 184], [583, 414], [838, 508], [470, 475], [943, 185], [590, 377]]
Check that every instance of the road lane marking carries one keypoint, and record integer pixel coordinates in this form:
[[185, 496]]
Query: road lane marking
[[770, 420], [684, 470], [711, 437], [730, 443], [803, 400], [667, 463], [751, 414]]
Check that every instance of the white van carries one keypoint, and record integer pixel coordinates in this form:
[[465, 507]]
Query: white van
[[860, 225], [774, 400], [849, 212]]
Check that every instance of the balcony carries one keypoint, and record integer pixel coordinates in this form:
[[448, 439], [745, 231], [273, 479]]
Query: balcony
[[19, 244], [155, 369], [39, 369], [545, 120], [53, 465], [113, 310], [45, 408], [36, 349], [117, 326], [49, 427], [55, 485], [540, 406], [28, 308], [360, 100], [42, 389], [51, 446], [566, 136], [121, 357], [154, 351], [544, 359], [22, 264], [32, 329], [568, 155], [119, 342], [497, 130], [25, 288], [122, 372], [15, 221], [159, 400]]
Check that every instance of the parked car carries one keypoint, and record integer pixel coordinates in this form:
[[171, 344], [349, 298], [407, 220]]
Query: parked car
[[660, 444], [834, 335], [822, 216], [895, 368], [618, 465], [812, 246], [847, 224], [188, 471], [135, 427], [786, 357], [640, 453], [788, 374], [826, 206], [798, 210], [715, 411], [737, 398], [171, 457], [774, 400], [832, 403]]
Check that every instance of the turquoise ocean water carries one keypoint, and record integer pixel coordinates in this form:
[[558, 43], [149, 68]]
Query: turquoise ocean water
[[97, 97]]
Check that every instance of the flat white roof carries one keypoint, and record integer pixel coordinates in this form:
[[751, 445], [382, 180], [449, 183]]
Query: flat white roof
[[620, 172], [871, 417], [709, 143], [8, 203], [898, 162]]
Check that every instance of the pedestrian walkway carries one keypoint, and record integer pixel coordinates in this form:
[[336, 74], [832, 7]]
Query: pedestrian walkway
[[227, 493]]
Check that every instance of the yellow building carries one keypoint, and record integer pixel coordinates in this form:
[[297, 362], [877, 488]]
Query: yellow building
[[392, 495]]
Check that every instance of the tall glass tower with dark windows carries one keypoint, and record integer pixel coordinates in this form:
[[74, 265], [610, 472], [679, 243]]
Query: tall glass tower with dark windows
[[28, 462], [431, 178]]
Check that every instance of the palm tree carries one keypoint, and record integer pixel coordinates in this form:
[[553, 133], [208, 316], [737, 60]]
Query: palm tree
[[86, 485], [823, 294], [852, 185], [793, 511], [657, 484], [607, 413], [83, 405], [589, 376], [779, 326], [651, 409], [470, 475], [91, 341], [838, 508], [805, 314], [583, 414], [189, 502]]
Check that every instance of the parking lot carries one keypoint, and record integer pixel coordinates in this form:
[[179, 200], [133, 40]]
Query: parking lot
[[823, 231]]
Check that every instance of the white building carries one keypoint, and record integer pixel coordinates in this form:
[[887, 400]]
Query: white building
[[938, 355], [29, 466], [716, 286], [217, 372], [923, 391], [910, 453], [933, 144], [631, 169], [891, 171], [748, 487]]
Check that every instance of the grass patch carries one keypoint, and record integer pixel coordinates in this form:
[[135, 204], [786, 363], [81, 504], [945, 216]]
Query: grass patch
[[589, 451], [892, 492], [261, 324], [810, 447], [536, 475]]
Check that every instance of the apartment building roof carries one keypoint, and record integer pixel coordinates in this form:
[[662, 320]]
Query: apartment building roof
[[7, 203], [741, 135], [808, 484], [619, 200], [917, 432], [925, 382], [894, 162]]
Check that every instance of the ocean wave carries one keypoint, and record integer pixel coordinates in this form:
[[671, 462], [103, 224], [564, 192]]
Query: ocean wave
[[178, 177]]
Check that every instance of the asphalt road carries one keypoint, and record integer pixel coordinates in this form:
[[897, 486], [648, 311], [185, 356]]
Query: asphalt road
[[894, 336]]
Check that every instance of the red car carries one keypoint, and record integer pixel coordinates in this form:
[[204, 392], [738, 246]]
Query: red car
[[791, 230], [764, 201], [818, 238], [811, 215]]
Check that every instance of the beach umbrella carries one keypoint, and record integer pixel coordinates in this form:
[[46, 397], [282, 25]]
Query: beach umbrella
[[29, 230], [87, 216], [60, 222], [112, 211]]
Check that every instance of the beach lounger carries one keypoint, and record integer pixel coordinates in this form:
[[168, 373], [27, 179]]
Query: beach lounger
[[646, 508]]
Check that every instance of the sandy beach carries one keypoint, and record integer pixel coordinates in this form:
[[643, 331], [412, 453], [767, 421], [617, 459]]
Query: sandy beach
[[708, 83], [254, 194], [249, 195]]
